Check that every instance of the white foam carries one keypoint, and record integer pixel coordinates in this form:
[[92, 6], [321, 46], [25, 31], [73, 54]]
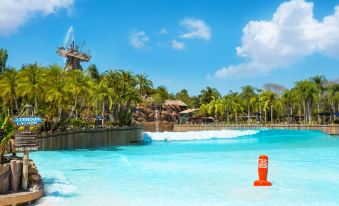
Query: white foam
[[56, 191], [198, 135]]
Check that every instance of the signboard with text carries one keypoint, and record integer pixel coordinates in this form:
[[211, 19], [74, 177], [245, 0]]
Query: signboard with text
[[27, 121], [26, 141]]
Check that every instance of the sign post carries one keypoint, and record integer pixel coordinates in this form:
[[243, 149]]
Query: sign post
[[25, 141]]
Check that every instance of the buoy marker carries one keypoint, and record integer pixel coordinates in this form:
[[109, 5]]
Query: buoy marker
[[262, 172]]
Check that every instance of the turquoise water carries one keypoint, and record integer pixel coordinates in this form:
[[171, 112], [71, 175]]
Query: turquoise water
[[303, 167]]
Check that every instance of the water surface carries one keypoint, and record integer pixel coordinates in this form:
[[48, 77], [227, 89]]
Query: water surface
[[207, 168]]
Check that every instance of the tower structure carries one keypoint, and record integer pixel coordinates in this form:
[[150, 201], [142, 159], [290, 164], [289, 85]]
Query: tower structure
[[73, 57]]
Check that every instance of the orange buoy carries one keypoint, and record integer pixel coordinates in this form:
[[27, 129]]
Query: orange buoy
[[262, 172]]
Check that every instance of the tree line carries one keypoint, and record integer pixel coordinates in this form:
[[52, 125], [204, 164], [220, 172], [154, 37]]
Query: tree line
[[311, 101], [73, 98]]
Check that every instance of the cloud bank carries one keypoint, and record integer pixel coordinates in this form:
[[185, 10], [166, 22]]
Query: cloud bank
[[291, 34], [15, 13], [138, 39]]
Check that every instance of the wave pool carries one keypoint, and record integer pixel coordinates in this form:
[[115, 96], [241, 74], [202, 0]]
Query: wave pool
[[196, 168]]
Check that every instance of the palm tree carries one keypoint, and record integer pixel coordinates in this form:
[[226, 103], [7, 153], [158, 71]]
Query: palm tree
[[161, 94], [184, 96], [102, 92], [8, 89], [236, 105], [207, 95], [30, 84], [144, 84], [3, 59], [307, 91], [92, 71], [320, 82], [228, 105], [269, 99], [129, 101], [332, 97], [80, 87], [248, 93], [216, 107], [57, 91], [289, 99]]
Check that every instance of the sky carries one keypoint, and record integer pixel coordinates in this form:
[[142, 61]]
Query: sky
[[181, 44]]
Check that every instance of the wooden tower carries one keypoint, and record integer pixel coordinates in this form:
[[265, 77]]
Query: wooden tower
[[73, 57]]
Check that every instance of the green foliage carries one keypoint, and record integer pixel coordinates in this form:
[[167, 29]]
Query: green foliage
[[207, 95], [68, 98], [160, 95], [7, 127], [93, 72], [3, 59], [77, 123], [144, 84], [184, 96]]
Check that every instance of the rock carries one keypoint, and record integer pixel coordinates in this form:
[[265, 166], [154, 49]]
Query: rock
[[34, 177], [32, 169], [34, 188]]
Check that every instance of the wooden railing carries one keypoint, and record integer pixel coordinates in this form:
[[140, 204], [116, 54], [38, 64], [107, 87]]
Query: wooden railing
[[91, 138]]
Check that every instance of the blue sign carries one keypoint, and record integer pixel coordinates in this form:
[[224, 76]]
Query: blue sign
[[26, 121]]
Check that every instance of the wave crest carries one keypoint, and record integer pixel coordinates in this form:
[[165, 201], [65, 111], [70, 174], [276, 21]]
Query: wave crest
[[196, 135]]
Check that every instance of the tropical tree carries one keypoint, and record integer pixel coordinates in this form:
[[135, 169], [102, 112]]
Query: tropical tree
[[3, 59], [268, 99], [144, 84], [184, 96], [320, 82], [80, 86], [289, 99], [247, 92], [236, 104], [8, 90], [160, 95], [207, 95], [30, 84], [7, 132], [216, 107], [104, 94], [307, 92], [56, 90], [332, 98], [93, 72]]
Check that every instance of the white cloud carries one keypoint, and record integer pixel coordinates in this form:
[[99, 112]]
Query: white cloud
[[14, 13], [195, 29], [162, 31], [138, 39], [291, 34], [178, 45]]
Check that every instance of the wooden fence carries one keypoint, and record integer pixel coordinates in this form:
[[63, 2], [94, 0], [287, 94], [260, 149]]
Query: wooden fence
[[10, 176], [5, 178], [152, 126], [91, 138], [329, 129]]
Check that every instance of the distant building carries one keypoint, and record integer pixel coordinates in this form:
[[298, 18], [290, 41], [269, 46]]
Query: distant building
[[186, 115], [178, 103]]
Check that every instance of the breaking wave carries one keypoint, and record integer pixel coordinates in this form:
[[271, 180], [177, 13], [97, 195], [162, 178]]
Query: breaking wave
[[196, 135]]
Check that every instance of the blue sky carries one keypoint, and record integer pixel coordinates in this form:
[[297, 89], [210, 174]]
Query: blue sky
[[182, 43]]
